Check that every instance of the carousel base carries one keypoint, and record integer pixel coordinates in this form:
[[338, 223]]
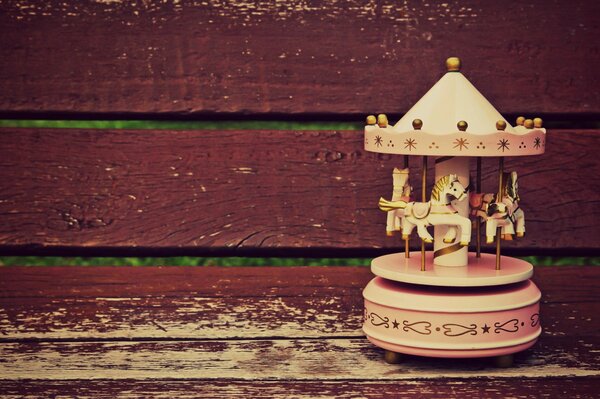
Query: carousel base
[[455, 322], [480, 271], [454, 354]]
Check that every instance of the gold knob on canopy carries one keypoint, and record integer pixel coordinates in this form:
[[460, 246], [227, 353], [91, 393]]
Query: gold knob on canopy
[[528, 123], [501, 125], [538, 123], [371, 120], [382, 120], [520, 120], [462, 126], [417, 124], [453, 64]]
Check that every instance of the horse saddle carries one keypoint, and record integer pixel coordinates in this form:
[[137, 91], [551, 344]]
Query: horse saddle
[[421, 210]]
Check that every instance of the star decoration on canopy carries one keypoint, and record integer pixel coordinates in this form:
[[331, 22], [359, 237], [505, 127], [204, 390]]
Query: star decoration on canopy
[[461, 143], [410, 144], [378, 141], [503, 144], [537, 142]]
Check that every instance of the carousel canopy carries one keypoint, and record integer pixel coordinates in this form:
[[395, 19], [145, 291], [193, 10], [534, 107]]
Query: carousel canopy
[[454, 119], [453, 98]]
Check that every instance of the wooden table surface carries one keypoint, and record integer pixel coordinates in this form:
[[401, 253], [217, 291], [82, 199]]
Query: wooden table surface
[[260, 332]]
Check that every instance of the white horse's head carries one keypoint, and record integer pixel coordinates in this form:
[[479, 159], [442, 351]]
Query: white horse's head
[[448, 186], [456, 189]]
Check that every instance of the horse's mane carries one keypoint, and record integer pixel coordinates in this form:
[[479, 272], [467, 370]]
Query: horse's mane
[[439, 186]]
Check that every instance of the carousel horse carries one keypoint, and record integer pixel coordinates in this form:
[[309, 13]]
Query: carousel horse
[[438, 211], [505, 213], [402, 191]]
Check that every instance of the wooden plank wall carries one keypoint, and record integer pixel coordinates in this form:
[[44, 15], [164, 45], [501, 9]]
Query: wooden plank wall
[[266, 192], [239, 192], [295, 57]]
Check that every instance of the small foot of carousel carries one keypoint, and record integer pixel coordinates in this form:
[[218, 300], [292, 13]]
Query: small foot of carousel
[[445, 301]]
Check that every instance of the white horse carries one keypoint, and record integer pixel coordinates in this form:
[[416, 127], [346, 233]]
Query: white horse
[[402, 191], [438, 211], [506, 212]]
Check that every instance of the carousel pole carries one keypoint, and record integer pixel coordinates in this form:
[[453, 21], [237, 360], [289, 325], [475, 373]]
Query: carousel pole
[[417, 124], [406, 240], [478, 218], [499, 199], [424, 199], [500, 125]]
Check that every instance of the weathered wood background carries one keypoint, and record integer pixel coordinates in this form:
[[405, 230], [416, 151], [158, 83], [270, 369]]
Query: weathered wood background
[[259, 332], [267, 332], [263, 192], [257, 192], [186, 57]]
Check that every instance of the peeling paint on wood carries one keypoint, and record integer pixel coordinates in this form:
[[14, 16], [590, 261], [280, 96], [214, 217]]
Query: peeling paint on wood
[[282, 359], [246, 190], [185, 317], [84, 357], [501, 388], [211, 318], [198, 304]]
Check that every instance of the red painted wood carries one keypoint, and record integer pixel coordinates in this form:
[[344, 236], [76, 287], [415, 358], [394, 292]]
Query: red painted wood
[[583, 387], [189, 57], [209, 282], [176, 281], [562, 363], [240, 192], [321, 360]]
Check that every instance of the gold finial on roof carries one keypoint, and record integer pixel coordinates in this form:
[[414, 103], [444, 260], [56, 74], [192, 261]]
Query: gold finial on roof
[[382, 120], [501, 125], [538, 123], [453, 64], [520, 120], [462, 126], [417, 124], [371, 120], [528, 123]]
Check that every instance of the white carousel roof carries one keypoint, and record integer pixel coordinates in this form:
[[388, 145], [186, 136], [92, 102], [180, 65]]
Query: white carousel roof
[[454, 119], [453, 98]]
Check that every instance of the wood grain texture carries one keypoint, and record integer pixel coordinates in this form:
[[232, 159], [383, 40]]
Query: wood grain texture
[[253, 192], [501, 388], [294, 364], [281, 359], [189, 58], [247, 303]]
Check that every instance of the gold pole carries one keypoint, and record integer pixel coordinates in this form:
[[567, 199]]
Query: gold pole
[[499, 199], [424, 199], [407, 240], [477, 218]]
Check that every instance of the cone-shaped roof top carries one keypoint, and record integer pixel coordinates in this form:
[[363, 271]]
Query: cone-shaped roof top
[[453, 98], [454, 119]]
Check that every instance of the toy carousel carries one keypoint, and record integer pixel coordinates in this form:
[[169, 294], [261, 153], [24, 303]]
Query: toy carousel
[[445, 301]]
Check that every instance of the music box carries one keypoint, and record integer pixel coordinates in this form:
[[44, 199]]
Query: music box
[[445, 301]]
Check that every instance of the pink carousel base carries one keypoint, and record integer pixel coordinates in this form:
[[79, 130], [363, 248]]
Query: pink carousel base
[[454, 322], [407, 350]]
